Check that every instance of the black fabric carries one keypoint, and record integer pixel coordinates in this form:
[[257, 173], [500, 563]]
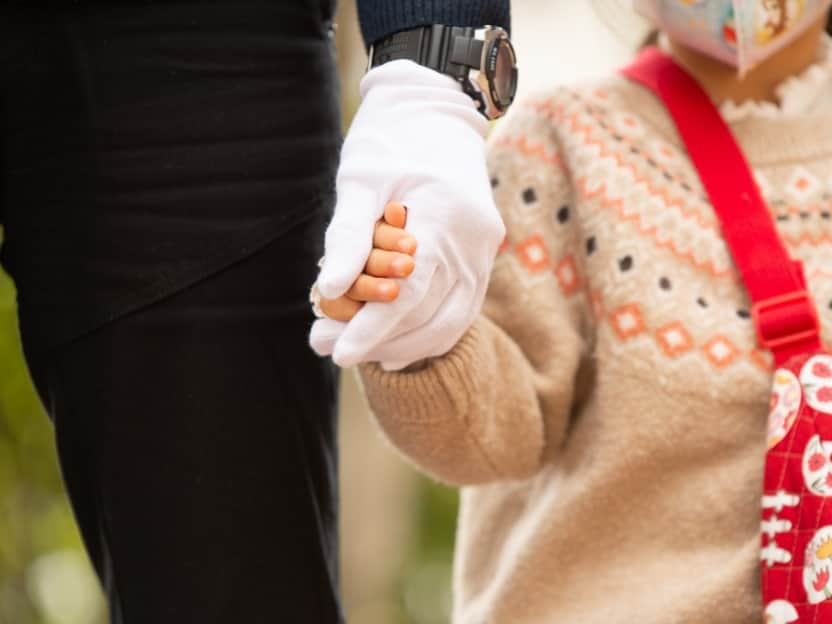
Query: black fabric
[[380, 18], [197, 442], [147, 145], [166, 178]]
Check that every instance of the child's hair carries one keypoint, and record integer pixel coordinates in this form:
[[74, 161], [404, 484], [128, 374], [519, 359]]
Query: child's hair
[[829, 24]]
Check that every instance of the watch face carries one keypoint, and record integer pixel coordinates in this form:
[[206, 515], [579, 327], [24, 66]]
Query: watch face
[[503, 74]]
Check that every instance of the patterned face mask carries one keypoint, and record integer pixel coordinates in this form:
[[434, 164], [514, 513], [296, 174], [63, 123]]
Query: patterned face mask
[[741, 33]]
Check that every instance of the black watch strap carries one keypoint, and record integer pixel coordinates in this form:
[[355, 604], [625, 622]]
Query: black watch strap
[[451, 50]]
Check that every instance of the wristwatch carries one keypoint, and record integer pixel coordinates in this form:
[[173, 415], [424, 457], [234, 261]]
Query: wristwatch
[[481, 59]]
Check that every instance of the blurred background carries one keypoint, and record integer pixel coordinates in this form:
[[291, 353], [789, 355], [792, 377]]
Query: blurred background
[[397, 528]]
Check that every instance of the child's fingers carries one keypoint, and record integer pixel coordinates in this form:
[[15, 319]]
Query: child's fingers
[[367, 288], [389, 264], [395, 214], [392, 238], [341, 309]]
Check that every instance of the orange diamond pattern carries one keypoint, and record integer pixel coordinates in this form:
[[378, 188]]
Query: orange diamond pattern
[[533, 253], [720, 351], [628, 321], [763, 359], [674, 339], [567, 274]]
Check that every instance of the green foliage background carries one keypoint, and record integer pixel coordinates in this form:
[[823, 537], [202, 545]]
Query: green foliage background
[[35, 521]]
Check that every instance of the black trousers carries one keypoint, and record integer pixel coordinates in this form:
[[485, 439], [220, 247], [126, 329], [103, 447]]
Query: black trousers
[[166, 176]]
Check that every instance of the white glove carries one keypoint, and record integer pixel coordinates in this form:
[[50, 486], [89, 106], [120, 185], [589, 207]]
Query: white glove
[[417, 139]]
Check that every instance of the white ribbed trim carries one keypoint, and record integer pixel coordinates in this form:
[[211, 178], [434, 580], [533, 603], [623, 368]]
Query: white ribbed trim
[[806, 93]]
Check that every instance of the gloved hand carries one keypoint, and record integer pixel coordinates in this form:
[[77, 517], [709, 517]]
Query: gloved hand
[[417, 139]]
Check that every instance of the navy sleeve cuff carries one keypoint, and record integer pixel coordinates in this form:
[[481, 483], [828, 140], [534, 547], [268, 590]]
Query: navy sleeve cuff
[[380, 18]]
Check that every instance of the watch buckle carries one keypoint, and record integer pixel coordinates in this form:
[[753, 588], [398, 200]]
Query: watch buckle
[[371, 55]]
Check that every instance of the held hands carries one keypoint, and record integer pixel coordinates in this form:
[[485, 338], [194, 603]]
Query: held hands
[[417, 138], [390, 258]]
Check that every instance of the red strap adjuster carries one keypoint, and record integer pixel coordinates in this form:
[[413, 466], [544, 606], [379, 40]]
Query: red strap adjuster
[[786, 321]]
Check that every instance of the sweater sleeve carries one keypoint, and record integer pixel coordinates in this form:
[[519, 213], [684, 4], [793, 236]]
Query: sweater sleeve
[[380, 18], [497, 406]]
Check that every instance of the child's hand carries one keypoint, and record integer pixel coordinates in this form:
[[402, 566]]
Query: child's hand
[[391, 257]]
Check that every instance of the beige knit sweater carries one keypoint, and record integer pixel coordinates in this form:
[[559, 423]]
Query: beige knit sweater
[[606, 415]]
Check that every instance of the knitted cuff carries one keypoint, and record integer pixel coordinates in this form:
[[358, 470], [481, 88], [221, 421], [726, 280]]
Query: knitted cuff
[[436, 389], [430, 414], [380, 18]]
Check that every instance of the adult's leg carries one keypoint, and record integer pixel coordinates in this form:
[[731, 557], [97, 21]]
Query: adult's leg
[[165, 194], [197, 439]]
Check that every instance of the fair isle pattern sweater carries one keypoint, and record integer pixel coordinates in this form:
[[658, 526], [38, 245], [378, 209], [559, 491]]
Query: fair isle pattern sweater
[[606, 414]]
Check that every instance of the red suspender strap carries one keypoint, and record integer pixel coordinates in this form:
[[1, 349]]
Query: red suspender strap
[[784, 313]]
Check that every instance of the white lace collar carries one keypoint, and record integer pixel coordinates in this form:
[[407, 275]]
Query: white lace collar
[[807, 92], [802, 94]]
